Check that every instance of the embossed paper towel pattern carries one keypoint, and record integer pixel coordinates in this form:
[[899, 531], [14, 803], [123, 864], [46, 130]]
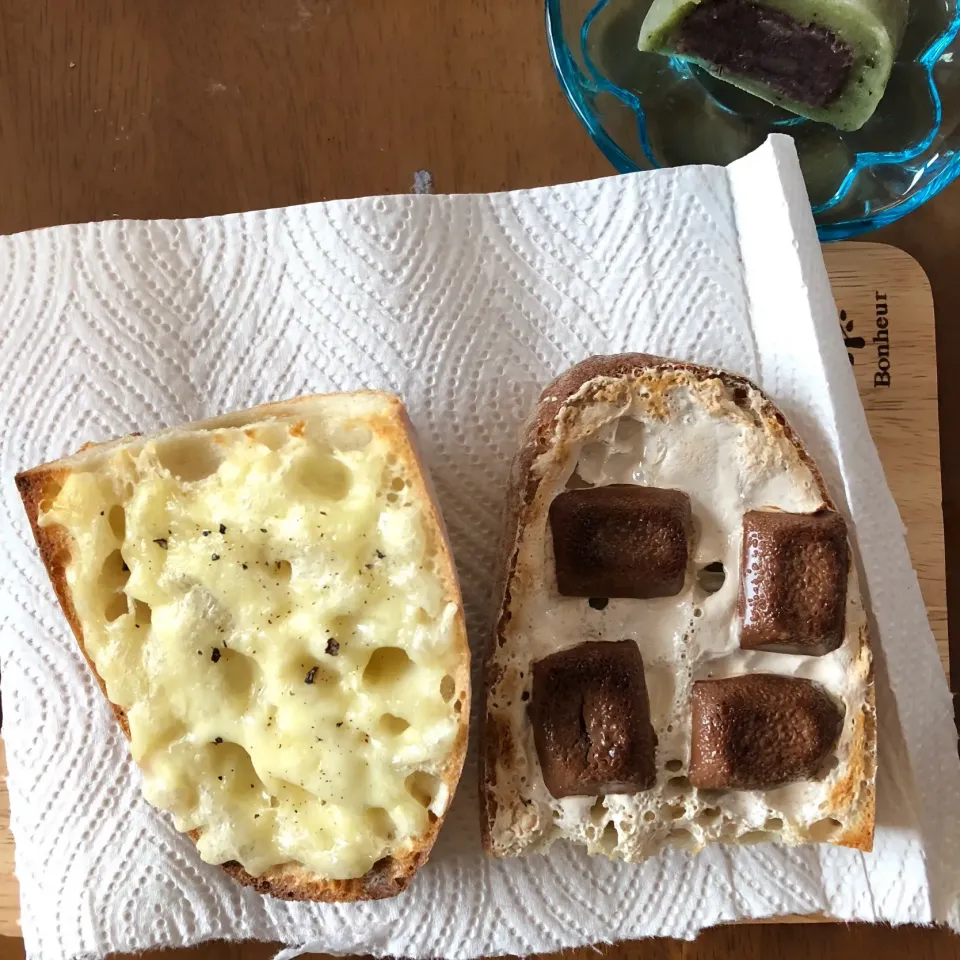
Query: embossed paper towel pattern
[[465, 306]]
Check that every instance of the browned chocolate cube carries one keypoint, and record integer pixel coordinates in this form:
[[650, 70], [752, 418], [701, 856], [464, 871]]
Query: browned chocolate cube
[[620, 541], [793, 581], [591, 720], [760, 731]]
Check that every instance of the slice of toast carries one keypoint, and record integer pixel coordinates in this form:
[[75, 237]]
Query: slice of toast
[[269, 602], [681, 655]]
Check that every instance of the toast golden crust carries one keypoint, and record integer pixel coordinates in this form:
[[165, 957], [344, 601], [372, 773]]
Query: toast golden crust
[[856, 792], [385, 879], [54, 544], [391, 875]]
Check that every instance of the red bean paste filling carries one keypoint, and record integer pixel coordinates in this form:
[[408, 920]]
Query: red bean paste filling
[[801, 61]]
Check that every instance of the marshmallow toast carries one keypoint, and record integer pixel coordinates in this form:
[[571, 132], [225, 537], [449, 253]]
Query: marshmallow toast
[[269, 603], [681, 655]]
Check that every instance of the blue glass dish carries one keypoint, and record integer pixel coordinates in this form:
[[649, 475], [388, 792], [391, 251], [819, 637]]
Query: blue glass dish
[[646, 111]]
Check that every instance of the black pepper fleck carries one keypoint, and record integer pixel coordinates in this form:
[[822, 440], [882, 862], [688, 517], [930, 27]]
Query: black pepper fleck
[[380, 555], [215, 656], [244, 566], [161, 542], [525, 695], [219, 778], [263, 529], [206, 533], [333, 648], [223, 528], [214, 556], [218, 740], [311, 674], [340, 724]]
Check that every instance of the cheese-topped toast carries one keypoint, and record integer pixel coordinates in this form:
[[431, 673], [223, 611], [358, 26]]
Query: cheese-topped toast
[[269, 602]]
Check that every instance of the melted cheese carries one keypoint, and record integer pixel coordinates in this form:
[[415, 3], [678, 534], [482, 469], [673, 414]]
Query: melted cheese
[[264, 607]]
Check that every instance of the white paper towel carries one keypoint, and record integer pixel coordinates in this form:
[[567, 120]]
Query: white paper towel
[[465, 306]]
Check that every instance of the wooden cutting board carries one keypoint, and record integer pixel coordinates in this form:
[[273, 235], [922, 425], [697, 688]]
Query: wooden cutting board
[[886, 317]]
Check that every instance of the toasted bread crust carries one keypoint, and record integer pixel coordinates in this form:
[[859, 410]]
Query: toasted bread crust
[[391, 875], [386, 878], [856, 793]]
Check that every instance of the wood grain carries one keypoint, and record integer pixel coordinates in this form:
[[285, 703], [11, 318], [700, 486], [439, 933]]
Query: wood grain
[[170, 108], [878, 283], [796, 942], [932, 237], [9, 891]]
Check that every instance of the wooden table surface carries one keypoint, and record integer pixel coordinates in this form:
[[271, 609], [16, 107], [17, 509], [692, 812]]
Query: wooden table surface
[[174, 108]]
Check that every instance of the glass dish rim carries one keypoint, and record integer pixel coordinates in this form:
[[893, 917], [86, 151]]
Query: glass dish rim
[[574, 82]]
